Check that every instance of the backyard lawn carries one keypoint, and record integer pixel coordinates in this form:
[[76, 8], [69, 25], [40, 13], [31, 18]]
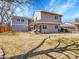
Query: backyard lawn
[[39, 46]]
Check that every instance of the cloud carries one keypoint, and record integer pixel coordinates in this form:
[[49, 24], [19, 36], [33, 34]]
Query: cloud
[[27, 12], [24, 12], [51, 2], [66, 17], [18, 10], [50, 5], [62, 7], [68, 5], [70, 18], [76, 15]]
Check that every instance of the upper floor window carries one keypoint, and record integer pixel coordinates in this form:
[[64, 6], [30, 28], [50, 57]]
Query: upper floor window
[[56, 17], [18, 20], [22, 20]]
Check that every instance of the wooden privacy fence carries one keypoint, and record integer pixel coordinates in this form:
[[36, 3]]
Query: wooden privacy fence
[[5, 28], [1, 53]]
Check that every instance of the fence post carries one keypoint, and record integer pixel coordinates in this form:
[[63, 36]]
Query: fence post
[[1, 53]]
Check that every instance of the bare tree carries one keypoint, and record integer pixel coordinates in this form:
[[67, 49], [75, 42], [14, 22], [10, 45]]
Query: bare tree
[[7, 8], [77, 20]]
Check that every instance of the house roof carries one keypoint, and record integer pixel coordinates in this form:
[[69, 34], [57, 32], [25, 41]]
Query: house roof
[[46, 23], [76, 23], [68, 25], [48, 12], [25, 18]]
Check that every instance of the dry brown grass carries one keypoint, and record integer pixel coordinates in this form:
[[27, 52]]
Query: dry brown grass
[[19, 43]]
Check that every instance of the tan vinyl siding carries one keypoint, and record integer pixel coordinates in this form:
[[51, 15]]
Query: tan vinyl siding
[[46, 17], [50, 28]]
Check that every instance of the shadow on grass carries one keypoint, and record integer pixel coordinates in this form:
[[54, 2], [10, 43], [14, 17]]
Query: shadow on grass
[[60, 50]]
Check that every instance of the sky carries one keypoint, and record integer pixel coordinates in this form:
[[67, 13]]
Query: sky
[[68, 8]]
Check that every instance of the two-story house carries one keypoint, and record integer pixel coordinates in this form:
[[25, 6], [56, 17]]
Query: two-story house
[[43, 22], [46, 22], [20, 24]]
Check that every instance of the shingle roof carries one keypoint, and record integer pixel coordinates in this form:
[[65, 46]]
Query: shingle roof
[[26, 18], [46, 23], [76, 23], [48, 12], [68, 25]]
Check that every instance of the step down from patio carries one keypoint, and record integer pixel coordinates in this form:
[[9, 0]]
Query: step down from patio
[[1, 53]]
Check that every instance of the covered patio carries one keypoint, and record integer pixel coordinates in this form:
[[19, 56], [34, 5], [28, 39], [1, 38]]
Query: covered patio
[[45, 27]]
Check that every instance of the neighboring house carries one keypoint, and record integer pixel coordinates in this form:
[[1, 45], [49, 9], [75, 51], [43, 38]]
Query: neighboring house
[[69, 27], [20, 24], [46, 22], [77, 26]]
